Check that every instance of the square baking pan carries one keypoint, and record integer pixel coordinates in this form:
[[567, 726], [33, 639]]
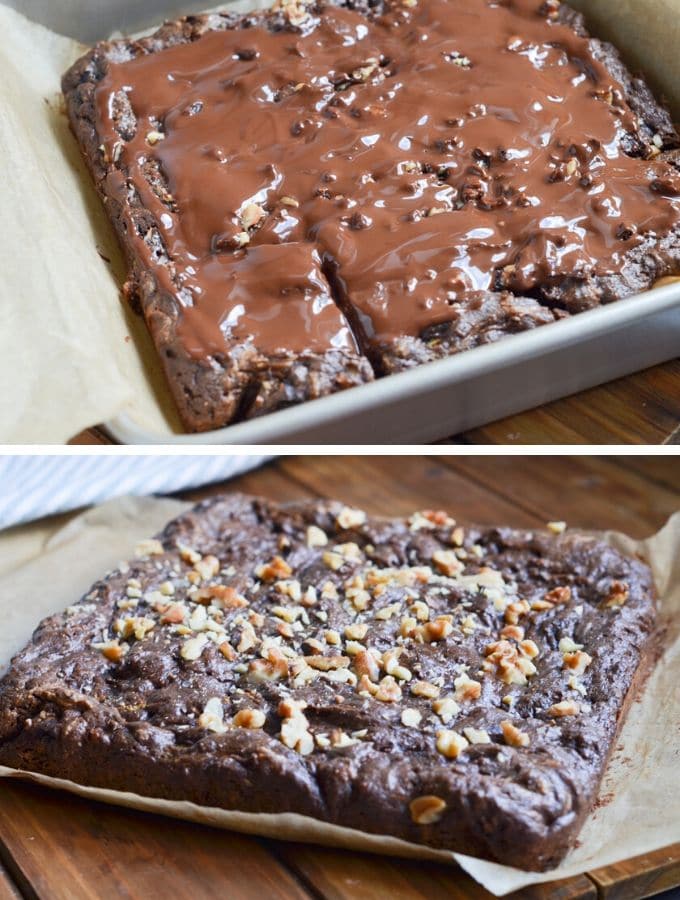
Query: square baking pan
[[436, 399]]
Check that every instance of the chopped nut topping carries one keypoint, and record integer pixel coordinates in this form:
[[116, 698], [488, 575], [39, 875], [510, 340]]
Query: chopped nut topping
[[249, 718], [151, 547], [557, 527], [438, 630], [446, 708], [220, 595], [514, 610], [316, 537], [350, 518], [477, 735], [134, 626], [273, 668], [227, 651], [153, 137], [112, 650], [294, 727], [326, 663], [428, 809], [513, 736], [564, 708], [566, 645], [274, 570], [558, 595], [424, 689], [618, 594], [366, 664], [410, 717], [447, 562], [356, 632], [466, 688], [450, 743], [510, 667], [212, 717], [207, 567], [388, 690], [577, 662], [194, 647], [251, 215]]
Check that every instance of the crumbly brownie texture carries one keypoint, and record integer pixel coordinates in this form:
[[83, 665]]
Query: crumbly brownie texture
[[455, 687], [305, 190]]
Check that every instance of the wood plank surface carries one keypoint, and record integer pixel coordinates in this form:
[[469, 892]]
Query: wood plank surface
[[643, 408], [640, 877], [339, 875], [65, 848], [8, 890], [56, 846]]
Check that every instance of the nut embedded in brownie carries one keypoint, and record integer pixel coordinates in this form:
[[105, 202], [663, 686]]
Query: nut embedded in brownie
[[458, 687]]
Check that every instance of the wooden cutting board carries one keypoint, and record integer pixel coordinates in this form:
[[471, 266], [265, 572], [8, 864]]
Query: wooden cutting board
[[58, 847]]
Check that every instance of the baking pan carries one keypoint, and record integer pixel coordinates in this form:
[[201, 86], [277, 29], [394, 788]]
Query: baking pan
[[437, 399]]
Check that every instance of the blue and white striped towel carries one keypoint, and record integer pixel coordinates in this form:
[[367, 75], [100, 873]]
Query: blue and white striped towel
[[36, 486]]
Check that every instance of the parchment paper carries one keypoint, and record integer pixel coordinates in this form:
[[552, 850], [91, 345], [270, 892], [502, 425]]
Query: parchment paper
[[71, 354], [641, 787]]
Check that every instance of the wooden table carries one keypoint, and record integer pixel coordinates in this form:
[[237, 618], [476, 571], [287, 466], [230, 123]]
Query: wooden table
[[643, 408], [59, 847]]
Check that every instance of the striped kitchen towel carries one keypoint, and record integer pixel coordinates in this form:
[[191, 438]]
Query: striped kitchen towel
[[35, 486]]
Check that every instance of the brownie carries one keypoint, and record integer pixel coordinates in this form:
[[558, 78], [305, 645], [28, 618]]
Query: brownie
[[458, 687], [320, 194]]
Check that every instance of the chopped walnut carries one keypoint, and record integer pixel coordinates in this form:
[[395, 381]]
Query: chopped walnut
[[151, 547], [446, 708], [194, 647], [295, 732], [212, 717], [564, 708], [558, 596], [274, 570], [249, 718], [477, 735], [207, 567], [350, 518], [273, 668], [316, 537], [424, 689], [366, 664], [427, 810], [577, 662], [388, 690], [410, 717], [327, 663], [618, 594], [513, 611], [356, 632], [466, 688], [557, 527], [251, 215], [446, 562], [513, 736], [450, 743], [112, 650]]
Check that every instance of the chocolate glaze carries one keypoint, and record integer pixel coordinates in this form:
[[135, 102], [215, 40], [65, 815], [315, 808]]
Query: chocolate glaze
[[420, 156]]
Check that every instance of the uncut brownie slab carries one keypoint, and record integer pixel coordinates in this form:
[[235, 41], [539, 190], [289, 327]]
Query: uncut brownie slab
[[455, 687], [303, 190]]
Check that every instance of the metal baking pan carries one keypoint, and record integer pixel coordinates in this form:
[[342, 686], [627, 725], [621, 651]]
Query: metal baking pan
[[437, 399]]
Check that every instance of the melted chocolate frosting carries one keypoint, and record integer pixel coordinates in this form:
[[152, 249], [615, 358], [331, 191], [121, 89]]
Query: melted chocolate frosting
[[399, 164]]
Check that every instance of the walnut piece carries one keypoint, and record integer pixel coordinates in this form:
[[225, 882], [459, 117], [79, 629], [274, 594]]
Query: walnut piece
[[427, 810]]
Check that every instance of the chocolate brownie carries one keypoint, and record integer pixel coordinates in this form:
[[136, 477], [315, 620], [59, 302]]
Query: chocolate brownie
[[458, 687], [308, 189]]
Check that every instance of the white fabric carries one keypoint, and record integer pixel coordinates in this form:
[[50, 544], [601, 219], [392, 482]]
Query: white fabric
[[36, 486]]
